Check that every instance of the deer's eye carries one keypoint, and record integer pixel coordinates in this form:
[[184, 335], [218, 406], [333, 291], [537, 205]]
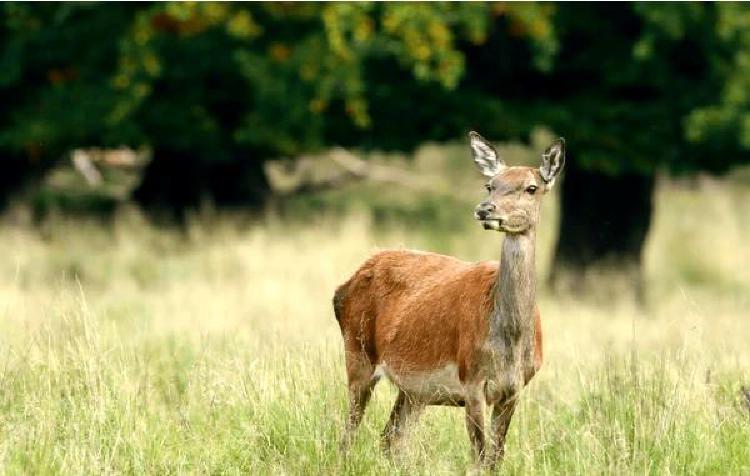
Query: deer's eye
[[489, 187], [531, 189]]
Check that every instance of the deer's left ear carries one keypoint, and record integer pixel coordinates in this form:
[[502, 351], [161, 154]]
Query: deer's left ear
[[553, 160]]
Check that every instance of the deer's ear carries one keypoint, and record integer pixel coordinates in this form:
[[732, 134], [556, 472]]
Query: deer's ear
[[553, 160], [485, 156]]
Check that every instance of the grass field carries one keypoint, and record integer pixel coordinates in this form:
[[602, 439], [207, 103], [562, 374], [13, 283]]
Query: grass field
[[131, 349]]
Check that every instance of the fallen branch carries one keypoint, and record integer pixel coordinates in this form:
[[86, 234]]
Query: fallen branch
[[361, 169], [83, 164], [351, 169]]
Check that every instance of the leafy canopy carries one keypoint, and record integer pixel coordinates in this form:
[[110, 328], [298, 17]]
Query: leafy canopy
[[633, 87]]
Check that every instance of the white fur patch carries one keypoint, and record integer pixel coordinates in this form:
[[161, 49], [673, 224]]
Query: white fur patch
[[430, 385]]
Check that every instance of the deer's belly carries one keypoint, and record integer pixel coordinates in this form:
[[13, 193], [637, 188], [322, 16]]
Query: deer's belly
[[439, 386]]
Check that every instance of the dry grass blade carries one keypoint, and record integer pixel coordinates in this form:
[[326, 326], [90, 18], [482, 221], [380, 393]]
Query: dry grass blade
[[745, 392]]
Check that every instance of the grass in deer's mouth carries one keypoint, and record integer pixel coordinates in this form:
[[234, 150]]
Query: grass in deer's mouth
[[143, 351], [491, 225]]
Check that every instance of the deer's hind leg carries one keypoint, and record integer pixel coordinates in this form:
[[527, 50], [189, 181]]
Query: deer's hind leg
[[360, 373], [405, 413]]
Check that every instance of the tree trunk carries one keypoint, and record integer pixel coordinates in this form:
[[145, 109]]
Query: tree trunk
[[177, 181], [18, 174], [604, 221]]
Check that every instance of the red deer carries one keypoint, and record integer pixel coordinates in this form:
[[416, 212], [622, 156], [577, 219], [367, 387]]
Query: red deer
[[448, 332]]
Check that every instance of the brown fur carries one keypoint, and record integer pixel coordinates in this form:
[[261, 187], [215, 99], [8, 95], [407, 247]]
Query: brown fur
[[420, 311]]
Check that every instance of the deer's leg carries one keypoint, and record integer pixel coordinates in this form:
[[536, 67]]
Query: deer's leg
[[475, 422], [502, 412], [405, 412], [360, 373]]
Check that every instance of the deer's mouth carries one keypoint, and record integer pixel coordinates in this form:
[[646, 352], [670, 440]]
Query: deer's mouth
[[514, 224], [492, 224]]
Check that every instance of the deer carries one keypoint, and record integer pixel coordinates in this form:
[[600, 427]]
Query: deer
[[447, 331]]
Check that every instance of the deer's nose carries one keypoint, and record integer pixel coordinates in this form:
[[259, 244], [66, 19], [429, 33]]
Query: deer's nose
[[484, 209]]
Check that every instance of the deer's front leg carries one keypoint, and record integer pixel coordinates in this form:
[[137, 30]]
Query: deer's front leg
[[502, 412], [475, 420]]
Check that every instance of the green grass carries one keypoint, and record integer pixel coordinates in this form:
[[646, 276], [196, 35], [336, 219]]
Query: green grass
[[145, 351]]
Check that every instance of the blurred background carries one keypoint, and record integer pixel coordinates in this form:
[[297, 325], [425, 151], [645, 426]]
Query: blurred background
[[192, 181], [175, 107]]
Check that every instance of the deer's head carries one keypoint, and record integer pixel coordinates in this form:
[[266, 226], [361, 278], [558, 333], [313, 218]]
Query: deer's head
[[515, 193]]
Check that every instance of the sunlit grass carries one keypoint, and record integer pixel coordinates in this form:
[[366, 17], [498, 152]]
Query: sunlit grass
[[140, 350]]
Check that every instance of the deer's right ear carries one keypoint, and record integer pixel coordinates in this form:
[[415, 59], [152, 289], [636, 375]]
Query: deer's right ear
[[485, 156]]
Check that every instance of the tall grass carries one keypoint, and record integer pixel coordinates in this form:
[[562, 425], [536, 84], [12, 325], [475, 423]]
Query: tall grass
[[140, 350]]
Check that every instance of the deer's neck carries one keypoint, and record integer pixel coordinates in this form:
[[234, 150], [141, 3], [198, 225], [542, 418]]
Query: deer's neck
[[515, 292]]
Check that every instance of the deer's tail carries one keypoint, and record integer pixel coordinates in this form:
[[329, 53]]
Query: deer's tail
[[338, 300]]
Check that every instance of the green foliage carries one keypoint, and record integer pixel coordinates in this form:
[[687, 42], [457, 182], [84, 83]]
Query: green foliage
[[54, 63], [727, 123], [634, 86], [206, 77], [272, 78]]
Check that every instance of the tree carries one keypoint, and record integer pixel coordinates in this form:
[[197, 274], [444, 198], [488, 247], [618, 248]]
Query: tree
[[637, 88], [217, 89], [54, 62]]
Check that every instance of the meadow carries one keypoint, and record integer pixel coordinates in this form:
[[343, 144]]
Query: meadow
[[132, 349]]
